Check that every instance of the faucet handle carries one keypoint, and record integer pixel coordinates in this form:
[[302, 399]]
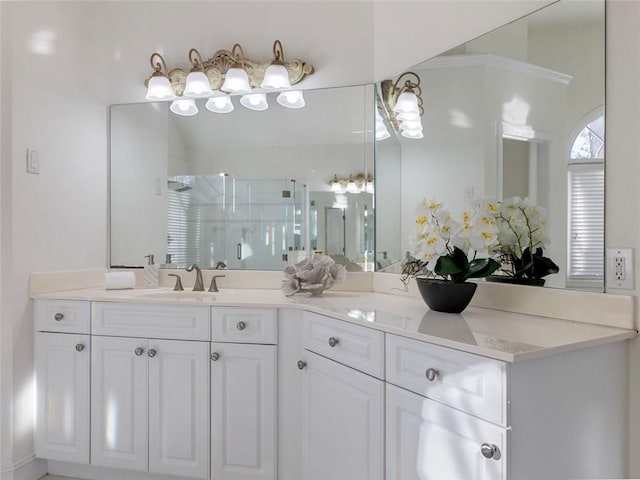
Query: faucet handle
[[178, 287], [214, 285]]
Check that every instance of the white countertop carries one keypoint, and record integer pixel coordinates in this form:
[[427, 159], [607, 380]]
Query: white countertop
[[496, 334]]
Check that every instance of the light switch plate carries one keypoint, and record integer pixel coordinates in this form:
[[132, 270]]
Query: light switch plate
[[620, 268]]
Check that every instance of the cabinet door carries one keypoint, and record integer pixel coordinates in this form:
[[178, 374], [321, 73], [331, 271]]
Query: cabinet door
[[179, 408], [62, 385], [119, 402], [243, 412], [342, 422], [430, 441]]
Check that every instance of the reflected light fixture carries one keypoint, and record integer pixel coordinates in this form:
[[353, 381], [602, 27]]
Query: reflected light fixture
[[184, 106], [220, 103], [291, 99], [159, 85], [255, 101], [276, 77], [382, 132], [403, 103], [353, 184], [236, 79], [197, 84]]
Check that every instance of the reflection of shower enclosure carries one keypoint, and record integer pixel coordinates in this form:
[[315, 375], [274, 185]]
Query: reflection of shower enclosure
[[245, 224]]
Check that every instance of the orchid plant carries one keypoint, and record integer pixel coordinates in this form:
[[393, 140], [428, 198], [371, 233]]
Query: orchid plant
[[449, 249], [522, 237]]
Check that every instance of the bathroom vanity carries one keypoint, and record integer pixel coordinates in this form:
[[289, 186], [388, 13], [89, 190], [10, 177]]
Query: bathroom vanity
[[249, 384]]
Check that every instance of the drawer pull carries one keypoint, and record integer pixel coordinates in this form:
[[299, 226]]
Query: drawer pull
[[301, 364], [432, 374], [58, 316], [241, 326], [333, 341], [79, 347], [215, 356], [138, 351], [490, 451], [151, 352]]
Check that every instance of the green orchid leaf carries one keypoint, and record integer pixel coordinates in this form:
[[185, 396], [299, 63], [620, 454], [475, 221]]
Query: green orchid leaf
[[453, 265], [481, 267]]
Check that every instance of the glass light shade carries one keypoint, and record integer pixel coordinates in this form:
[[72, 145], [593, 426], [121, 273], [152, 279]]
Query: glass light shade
[[411, 125], [197, 85], [276, 78], [336, 187], [413, 134], [236, 80], [159, 88], [352, 187], [255, 101], [291, 99], [184, 106], [369, 187], [382, 133], [408, 117], [219, 104], [407, 103]]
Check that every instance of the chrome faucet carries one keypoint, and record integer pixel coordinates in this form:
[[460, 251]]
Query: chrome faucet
[[199, 285]]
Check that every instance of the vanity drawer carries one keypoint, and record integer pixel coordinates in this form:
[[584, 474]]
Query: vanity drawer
[[151, 321], [244, 325], [355, 346], [65, 316], [468, 382]]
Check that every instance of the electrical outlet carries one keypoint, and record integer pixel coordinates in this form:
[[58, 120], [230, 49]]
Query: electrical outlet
[[620, 268]]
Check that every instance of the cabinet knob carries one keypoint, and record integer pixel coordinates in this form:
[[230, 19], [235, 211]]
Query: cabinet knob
[[333, 341], [58, 316], [139, 351], [79, 347], [151, 352], [432, 374], [241, 325], [490, 451], [215, 356], [301, 364]]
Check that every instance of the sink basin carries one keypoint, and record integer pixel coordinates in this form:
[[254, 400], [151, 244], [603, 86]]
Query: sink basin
[[187, 296]]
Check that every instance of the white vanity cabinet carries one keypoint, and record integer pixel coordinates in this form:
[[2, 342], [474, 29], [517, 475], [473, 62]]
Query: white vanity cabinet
[[63, 354], [150, 397], [243, 394], [342, 408]]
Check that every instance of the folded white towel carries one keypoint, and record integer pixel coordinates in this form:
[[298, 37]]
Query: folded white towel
[[119, 280]]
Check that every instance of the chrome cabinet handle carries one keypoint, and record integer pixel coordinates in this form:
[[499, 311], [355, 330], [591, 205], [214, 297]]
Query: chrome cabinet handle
[[239, 251], [301, 364], [151, 352], [58, 316], [241, 325], [333, 341], [215, 356], [139, 351], [490, 451], [79, 347], [432, 374]]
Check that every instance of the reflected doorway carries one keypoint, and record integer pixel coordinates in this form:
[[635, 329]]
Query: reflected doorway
[[334, 231]]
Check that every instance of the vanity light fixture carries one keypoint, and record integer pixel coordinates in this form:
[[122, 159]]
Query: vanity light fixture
[[353, 184], [230, 72], [197, 84], [403, 103], [184, 106], [276, 77], [158, 85]]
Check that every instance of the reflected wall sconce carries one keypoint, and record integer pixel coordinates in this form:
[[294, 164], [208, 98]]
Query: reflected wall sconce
[[403, 104], [226, 73], [353, 184]]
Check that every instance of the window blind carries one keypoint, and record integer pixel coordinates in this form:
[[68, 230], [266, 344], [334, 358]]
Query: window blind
[[586, 222], [184, 225]]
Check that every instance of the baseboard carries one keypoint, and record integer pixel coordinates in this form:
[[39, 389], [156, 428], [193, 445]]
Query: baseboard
[[92, 472], [31, 468]]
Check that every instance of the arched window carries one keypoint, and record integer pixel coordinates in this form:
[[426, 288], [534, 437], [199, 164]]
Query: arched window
[[585, 258]]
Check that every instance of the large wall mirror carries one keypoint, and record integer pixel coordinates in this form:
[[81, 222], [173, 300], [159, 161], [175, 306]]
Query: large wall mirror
[[516, 112], [247, 189]]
